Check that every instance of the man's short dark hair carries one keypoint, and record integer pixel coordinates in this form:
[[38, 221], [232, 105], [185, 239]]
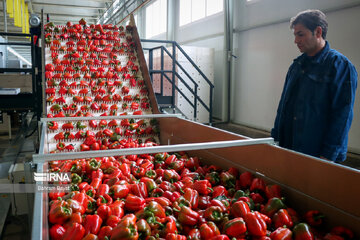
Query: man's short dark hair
[[311, 19]]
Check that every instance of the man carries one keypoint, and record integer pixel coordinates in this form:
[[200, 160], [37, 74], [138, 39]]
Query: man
[[316, 107]]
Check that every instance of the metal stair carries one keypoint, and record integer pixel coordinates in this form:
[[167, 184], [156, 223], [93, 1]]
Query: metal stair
[[170, 75]]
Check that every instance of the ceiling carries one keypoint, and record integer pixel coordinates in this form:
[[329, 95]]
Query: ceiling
[[60, 12]]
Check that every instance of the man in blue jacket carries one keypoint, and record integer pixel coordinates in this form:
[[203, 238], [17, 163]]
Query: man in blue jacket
[[316, 106]]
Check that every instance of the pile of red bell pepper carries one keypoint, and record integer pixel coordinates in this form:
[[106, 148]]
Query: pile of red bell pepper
[[102, 134], [85, 76], [173, 196]]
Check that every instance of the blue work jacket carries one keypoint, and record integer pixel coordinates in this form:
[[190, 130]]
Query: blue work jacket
[[316, 106]]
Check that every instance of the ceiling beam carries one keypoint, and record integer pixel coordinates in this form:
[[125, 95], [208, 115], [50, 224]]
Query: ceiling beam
[[67, 6], [69, 15]]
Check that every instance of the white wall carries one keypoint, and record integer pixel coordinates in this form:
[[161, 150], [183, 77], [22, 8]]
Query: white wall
[[265, 49]]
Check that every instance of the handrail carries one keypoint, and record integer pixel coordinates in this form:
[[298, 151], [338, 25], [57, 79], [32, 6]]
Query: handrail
[[194, 65], [193, 90], [15, 34]]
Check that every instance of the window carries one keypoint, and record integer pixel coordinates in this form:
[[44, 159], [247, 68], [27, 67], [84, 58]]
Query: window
[[156, 18], [193, 10]]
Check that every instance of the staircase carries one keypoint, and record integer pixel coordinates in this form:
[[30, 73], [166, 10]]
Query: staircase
[[176, 89]]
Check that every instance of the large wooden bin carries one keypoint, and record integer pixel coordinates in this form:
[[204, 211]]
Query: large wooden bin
[[307, 182]]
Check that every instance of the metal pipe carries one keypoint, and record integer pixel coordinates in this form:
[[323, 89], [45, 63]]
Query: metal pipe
[[162, 69], [228, 48], [173, 74], [287, 20], [39, 158], [111, 117]]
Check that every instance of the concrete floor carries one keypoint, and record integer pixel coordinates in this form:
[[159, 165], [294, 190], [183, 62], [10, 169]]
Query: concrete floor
[[352, 160], [14, 227]]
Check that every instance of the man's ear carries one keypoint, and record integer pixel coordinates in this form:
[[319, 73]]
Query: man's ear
[[318, 32]]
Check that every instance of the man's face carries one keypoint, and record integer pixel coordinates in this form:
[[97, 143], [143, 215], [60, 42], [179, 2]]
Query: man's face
[[306, 41]]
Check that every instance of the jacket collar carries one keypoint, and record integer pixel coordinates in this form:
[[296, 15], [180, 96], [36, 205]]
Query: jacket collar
[[318, 58]]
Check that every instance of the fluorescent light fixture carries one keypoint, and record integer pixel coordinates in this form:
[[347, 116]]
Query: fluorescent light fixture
[[18, 56]]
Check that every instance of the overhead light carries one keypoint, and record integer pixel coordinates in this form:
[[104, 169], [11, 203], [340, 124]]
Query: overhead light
[[18, 56]]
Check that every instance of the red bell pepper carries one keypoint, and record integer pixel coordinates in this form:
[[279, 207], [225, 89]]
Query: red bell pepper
[[281, 233], [175, 236], [155, 208], [213, 177], [92, 224], [219, 191], [282, 218], [239, 209], [74, 232], [126, 229], [119, 191], [204, 202], [117, 208], [213, 213], [202, 186], [192, 196], [246, 179], [112, 221], [343, 232], [139, 189], [258, 185], [220, 237], [134, 203], [194, 234], [256, 226], [104, 212], [75, 206], [188, 216], [92, 165], [75, 218], [314, 218], [273, 191], [169, 226], [209, 230], [52, 125], [53, 195], [235, 228], [272, 206], [223, 204], [105, 233], [171, 175], [143, 228], [56, 232], [60, 212], [90, 236], [227, 179], [104, 200], [294, 215], [302, 231], [149, 183], [102, 190]]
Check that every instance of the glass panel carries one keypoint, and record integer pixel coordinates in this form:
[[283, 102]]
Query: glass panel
[[149, 21], [156, 18], [185, 12], [198, 10], [214, 6]]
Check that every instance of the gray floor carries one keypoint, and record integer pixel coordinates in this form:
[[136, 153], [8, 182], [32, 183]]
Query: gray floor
[[13, 227], [352, 160]]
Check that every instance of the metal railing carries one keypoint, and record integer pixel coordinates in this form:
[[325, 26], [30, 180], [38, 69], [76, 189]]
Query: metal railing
[[190, 86]]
